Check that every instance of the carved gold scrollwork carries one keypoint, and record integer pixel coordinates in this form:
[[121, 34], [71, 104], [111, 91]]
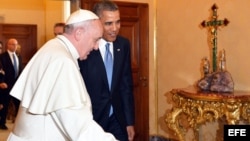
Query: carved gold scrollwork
[[232, 110], [246, 111], [173, 123], [200, 109]]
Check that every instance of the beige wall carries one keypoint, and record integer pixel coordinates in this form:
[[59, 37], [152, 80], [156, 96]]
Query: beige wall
[[176, 44], [24, 12], [43, 13], [56, 11]]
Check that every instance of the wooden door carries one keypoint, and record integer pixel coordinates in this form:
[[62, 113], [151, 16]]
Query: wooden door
[[26, 36], [134, 26]]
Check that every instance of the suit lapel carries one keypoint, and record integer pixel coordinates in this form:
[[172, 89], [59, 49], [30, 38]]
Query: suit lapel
[[9, 59]]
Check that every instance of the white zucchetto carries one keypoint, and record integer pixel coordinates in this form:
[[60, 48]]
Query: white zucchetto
[[80, 16]]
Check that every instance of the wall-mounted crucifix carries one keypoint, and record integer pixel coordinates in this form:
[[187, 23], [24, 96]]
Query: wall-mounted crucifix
[[214, 24]]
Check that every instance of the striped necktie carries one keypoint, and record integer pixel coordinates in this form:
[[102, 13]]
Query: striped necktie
[[108, 62], [15, 64]]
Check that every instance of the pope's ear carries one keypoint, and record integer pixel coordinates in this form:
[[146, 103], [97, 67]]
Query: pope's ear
[[78, 33]]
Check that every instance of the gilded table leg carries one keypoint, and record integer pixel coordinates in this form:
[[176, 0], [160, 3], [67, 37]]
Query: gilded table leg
[[232, 111], [173, 123]]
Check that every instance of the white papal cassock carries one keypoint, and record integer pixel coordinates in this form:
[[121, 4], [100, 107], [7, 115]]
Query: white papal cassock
[[55, 105]]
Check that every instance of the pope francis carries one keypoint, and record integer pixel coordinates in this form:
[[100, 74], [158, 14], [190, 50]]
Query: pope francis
[[55, 105]]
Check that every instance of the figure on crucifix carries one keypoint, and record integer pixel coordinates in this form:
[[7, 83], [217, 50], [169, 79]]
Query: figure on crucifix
[[213, 26]]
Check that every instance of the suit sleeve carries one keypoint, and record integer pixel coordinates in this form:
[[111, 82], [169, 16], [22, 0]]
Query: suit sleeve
[[127, 87]]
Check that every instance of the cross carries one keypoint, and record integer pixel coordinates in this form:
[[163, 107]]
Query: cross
[[214, 24]]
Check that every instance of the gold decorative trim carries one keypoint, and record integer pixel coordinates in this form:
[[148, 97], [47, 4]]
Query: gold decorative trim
[[201, 108]]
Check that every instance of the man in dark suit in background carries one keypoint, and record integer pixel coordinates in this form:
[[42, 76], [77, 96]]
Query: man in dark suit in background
[[113, 106], [12, 66]]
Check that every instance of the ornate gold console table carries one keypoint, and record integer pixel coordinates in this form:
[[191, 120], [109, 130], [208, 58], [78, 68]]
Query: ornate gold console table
[[201, 107]]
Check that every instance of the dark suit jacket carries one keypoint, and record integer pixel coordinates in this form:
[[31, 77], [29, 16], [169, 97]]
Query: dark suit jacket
[[8, 68], [1, 73], [121, 94], [1, 81]]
